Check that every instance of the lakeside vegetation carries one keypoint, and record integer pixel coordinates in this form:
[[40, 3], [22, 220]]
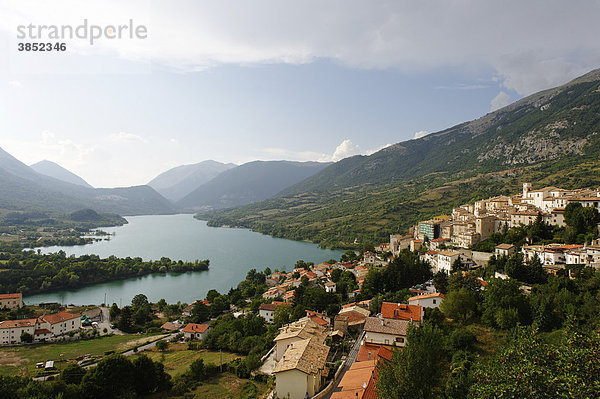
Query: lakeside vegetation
[[29, 229], [29, 272]]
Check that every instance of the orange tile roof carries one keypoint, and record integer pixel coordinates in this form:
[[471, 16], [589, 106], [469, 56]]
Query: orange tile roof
[[355, 380], [59, 317], [401, 311], [10, 296], [319, 320], [42, 331], [435, 295], [18, 323], [376, 351], [195, 328]]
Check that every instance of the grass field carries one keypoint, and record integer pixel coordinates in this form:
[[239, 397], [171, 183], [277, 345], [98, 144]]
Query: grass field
[[227, 386], [177, 358], [21, 360]]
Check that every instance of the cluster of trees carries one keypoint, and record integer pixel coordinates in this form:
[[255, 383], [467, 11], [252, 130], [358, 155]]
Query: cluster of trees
[[134, 318], [514, 266], [403, 272], [114, 377], [29, 272]]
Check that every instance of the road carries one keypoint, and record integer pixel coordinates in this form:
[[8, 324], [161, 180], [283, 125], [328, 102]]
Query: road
[[105, 323], [349, 361]]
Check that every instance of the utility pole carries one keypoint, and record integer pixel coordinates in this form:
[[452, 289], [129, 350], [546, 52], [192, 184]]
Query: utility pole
[[221, 360]]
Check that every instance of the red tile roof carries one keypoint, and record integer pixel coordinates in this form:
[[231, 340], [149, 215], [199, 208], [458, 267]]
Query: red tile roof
[[18, 323], [10, 296], [319, 320], [59, 317], [42, 331], [435, 295], [195, 328], [376, 351], [401, 311]]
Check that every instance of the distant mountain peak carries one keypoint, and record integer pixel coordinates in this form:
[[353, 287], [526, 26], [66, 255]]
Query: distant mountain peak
[[56, 171], [179, 181]]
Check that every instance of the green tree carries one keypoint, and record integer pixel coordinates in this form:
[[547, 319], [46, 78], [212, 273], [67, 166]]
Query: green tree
[[162, 345], [72, 374], [415, 370], [529, 367], [26, 337], [504, 305], [460, 305], [139, 300]]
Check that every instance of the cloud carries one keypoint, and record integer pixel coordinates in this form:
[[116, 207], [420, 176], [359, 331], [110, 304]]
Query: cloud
[[15, 84], [346, 149], [548, 43], [124, 137], [420, 133], [501, 100]]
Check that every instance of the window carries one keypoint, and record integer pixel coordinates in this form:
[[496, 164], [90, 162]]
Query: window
[[434, 302]]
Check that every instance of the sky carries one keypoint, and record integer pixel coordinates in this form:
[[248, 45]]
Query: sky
[[236, 81]]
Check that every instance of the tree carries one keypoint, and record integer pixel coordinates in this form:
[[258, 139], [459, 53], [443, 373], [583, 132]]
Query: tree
[[440, 281], [162, 345], [415, 370], [162, 304], [139, 300], [529, 367], [460, 305], [114, 312], [200, 313], [26, 337], [504, 305], [72, 374]]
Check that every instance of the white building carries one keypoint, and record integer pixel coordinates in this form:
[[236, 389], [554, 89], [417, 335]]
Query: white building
[[380, 331], [47, 327], [195, 331], [427, 300], [11, 301], [299, 372], [446, 259], [330, 286]]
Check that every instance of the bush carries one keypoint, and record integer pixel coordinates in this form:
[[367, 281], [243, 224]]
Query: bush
[[162, 345], [462, 339]]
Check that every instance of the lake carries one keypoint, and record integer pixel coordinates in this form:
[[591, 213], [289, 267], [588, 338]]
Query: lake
[[232, 253]]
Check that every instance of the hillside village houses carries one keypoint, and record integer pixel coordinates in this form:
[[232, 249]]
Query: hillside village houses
[[44, 328], [11, 301], [471, 223]]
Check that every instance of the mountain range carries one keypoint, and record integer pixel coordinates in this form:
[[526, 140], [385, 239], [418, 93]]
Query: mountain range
[[56, 171], [176, 183], [550, 137], [248, 183], [22, 188], [46, 186]]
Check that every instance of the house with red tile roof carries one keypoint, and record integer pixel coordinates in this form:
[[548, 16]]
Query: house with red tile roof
[[401, 311], [44, 327], [11, 301], [195, 331]]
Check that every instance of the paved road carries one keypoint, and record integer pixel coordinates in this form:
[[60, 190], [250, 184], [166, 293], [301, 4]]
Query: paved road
[[105, 323], [349, 361]]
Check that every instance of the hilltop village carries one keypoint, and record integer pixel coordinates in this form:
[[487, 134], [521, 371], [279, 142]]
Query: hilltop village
[[330, 330]]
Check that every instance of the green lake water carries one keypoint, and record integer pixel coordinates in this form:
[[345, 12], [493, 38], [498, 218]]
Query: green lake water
[[232, 253]]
